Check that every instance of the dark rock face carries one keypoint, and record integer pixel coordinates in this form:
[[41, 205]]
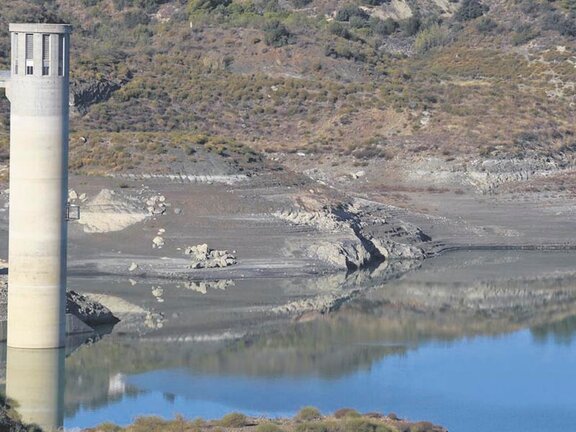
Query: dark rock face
[[90, 312], [9, 420], [84, 93]]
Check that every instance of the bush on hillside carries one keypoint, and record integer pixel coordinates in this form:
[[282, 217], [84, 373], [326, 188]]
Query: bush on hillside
[[470, 9], [556, 21], [350, 11], [410, 26], [486, 25], [383, 27], [300, 3], [147, 5], [339, 30], [276, 34], [523, 34], [233, 420], [358, 22], [569, 4], [206, 5], [375, 2], [308, 413], [431, 37]]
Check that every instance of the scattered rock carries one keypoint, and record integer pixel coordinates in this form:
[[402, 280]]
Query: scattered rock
[[202, 287], [158, 292], [156, 205], [204, 257], [154, 320], [72, 195], [158, 242], [177, 210], [132, 267]]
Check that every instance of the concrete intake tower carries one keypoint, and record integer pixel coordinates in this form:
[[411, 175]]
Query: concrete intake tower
[[38, 87]]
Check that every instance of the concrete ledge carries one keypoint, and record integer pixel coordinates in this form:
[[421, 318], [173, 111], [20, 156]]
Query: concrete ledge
[[40, 28]]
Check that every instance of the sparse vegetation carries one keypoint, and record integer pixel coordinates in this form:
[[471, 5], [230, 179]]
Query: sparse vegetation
[[269, 427], [470, 9], [432, 37], [233, 420], [351, 422], [276, 34], [346, 412], [253, 75], [523, 34], [308, 413]]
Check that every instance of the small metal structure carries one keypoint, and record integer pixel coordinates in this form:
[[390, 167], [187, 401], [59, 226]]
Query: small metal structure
[[72, 212]]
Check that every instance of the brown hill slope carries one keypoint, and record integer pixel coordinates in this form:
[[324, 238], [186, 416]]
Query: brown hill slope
[[359, 78]]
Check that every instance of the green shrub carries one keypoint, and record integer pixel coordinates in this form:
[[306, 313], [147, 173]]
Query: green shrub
[[555, 21], [301, 3], [308, 413], [134, 18], [470, 9], [486, 25], [108, 427], [383, 27], [422, 427], [358, 22], [365, 425], [431, 37], [350, 11], [206, 5], [268, 427], [523, 34], [339, 30], [569, 4], [276, 34], [410, 26], [312, 427], [346, 412], [233, 420]]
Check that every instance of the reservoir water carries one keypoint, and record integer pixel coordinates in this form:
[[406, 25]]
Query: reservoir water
[[473, 341]]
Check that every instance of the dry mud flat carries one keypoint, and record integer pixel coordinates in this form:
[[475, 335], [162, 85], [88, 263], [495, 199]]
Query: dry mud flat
[[146, 245]]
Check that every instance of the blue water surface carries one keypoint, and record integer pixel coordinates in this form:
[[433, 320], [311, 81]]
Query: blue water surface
[[512, 382]]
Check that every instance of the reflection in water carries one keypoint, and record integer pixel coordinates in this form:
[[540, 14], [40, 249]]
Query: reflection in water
[[456, 342], [561, 332], [35, 385]]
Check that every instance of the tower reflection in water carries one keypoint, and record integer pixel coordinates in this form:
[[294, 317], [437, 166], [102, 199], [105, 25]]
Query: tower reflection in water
[[35, 385]]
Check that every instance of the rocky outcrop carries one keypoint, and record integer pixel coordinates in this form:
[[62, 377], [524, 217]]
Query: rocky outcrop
[[349, 245], [9, 420], [89, 311], [204, 257], [87, 92]]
